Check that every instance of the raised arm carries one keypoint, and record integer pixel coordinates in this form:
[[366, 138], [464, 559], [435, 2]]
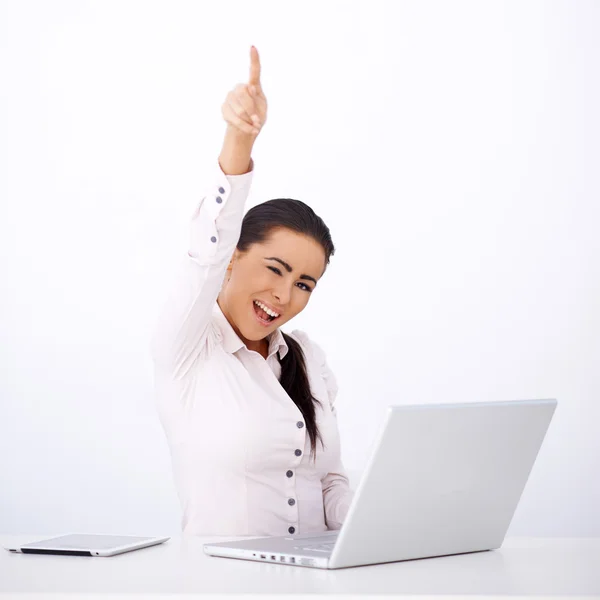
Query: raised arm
[[181, 330]]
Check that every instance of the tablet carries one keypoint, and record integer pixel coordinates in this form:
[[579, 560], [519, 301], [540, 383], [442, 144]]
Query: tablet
[[84, 544]]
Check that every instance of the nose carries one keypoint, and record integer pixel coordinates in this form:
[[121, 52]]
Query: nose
[[283, 295]]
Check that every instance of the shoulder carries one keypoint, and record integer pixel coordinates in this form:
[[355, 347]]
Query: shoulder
[[312, 350]]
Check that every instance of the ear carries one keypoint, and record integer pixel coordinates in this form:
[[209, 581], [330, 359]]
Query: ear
[[235, 256]]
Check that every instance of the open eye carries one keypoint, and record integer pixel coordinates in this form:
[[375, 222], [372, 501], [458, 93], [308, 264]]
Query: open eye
[[305, 287]]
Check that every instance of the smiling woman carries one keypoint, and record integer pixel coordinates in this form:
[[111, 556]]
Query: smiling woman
[[247, 409], [277, 228]]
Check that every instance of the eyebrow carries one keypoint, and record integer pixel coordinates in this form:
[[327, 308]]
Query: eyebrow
[[289, 269]]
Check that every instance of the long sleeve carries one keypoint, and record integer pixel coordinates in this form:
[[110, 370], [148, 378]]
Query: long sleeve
[[337, 495], [180, 333]]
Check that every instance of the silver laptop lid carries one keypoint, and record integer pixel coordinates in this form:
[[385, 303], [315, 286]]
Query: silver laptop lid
[[442, 479]]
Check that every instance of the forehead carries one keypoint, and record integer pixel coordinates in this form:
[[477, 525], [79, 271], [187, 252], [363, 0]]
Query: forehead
[[303, 253]]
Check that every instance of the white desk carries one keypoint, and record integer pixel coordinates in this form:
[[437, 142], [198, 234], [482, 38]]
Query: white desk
[[523, 567]]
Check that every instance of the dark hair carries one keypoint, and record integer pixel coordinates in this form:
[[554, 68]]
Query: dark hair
[[257, 225]]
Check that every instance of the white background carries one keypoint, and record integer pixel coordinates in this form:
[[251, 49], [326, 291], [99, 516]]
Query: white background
[[451, 147]]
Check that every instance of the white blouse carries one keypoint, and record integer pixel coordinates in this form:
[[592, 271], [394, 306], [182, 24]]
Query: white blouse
[[239, 446]]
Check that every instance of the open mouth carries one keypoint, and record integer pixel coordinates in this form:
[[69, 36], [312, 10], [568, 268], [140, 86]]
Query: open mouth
[[262, 316]]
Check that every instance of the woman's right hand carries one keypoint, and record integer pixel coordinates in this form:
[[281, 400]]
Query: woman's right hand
[[245, 108]]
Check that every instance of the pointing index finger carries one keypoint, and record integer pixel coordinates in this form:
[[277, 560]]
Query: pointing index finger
[[254, 67]]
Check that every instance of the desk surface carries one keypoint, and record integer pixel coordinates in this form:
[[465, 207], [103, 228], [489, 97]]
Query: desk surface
[[521, 567]]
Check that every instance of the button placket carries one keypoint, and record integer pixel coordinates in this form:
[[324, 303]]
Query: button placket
[[289, 474], [292, 504]]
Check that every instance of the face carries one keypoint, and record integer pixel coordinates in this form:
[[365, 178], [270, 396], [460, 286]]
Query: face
[[284, 288]]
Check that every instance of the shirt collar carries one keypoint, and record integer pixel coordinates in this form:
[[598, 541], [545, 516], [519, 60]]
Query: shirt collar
[[232, 343]]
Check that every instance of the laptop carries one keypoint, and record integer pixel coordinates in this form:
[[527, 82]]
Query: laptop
[[442, 479], [88, 544]]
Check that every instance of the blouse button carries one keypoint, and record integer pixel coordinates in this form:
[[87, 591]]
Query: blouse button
[[291, 502], [299, 424], [298, 452], [292, 530], [219, 199], [213, 239], [221, 190], [289, 473]]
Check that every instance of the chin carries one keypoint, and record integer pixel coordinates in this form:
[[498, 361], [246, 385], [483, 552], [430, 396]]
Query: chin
[[253, 334]]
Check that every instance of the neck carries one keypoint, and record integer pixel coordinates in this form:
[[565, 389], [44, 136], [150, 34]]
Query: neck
[[260, 346]]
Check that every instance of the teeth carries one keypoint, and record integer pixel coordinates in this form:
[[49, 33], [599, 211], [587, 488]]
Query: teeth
[[267, 310]]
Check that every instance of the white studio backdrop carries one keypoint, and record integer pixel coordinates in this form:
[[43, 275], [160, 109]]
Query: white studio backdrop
[[451, 147]]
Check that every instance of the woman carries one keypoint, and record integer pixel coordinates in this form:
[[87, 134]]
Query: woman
[[248, 410]]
